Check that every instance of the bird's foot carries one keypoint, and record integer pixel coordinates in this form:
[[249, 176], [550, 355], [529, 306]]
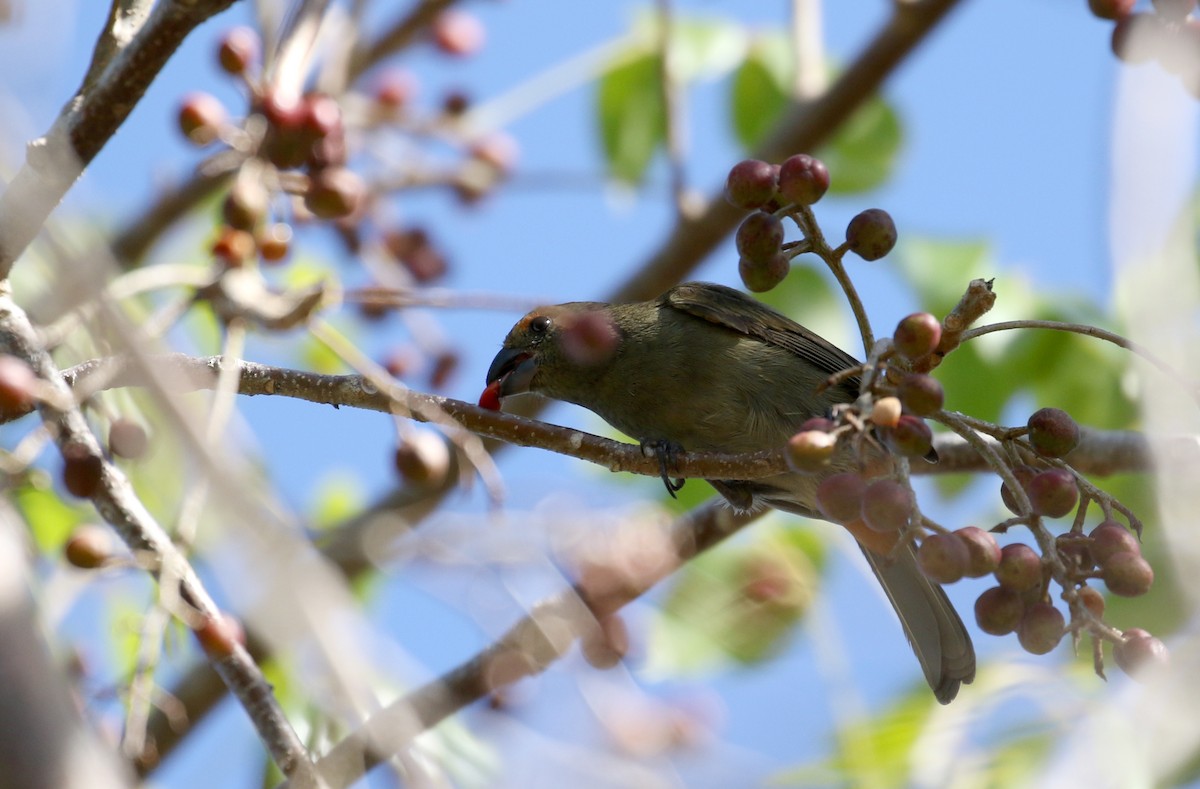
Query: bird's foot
[[666, 452]]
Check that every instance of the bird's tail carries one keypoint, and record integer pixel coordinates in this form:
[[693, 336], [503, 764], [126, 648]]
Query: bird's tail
[[933, 627]]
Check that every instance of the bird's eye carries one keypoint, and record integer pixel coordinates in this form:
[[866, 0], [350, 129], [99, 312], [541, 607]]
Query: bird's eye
[[539, 325]]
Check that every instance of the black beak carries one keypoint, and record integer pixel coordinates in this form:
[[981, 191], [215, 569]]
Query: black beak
[[514, 369]]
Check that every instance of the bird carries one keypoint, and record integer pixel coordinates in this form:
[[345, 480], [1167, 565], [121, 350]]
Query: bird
[[707, 368]]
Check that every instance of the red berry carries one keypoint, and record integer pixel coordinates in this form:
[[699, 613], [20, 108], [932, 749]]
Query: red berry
[[1111, 9], [1140, 652], [917, 336], [760, 236], [871, 234], [1127, 574], [983, 552], [1136, 37], [803, 180], [943, 558], [911, 437], [1023, 474], [921, 394], [751, 184], [274, 242], [1109, 538], [1053, 432], [1020, 567], [1092, 600], [395, 88], [761, 275], [422, 459], [998, 611], [89, 547], [1041, 628], [490, 399], [458, 33], [839, 497], [1053, 492], [239, 50], [81, 471], [220, 635], [335, 192], [887, 506], [809, 450], [201, 117], [18, 386]]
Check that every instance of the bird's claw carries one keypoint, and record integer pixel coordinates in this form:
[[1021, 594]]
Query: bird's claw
[[666, 452]]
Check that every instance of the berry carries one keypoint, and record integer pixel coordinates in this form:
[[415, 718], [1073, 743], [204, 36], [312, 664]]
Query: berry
[[760, 236], [911, 437], [416, 252], [127, 439], [839, 497], [1111, 9], [759, 276], [1140, 652], [1041, 628], [917, 336], [943, 558], [395, 88], [274, 242], [1020, 567], [422, 459], [81, 470], [886, 411], [1053, 492], [921, 394], [871, 234], [89, 547], [220, 635], [982, 551], [18, 386], [201, 116], [998, 611], [804, 180], [233, 247], [1092, 600], [458, 33], [809, 450], [1053, 432], [1127, 574], [444, 366], [1109, 538], [751, 184], [335, 192], [1023, 474], [239, 50], [887, 506]]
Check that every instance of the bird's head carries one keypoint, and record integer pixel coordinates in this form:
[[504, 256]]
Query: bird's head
[[554, 350]]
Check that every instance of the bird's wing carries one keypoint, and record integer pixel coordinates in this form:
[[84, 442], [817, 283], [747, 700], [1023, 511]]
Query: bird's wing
[[737, 311]]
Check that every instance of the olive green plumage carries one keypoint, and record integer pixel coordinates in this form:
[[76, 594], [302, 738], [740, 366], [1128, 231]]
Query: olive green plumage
[[707, 368]]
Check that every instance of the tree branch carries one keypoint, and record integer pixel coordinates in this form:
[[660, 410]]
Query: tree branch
[[123, 67]]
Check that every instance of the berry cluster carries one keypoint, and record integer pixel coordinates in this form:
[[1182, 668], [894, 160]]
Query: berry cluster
[[775, 191], [296, 152], [886, 430], [1166, 34]]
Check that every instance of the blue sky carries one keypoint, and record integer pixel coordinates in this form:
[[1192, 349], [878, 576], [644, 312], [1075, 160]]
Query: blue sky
[[1006, 113]]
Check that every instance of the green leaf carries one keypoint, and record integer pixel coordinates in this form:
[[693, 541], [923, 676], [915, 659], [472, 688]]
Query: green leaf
[[337, 497], [631, 115], [50, 518], [738, 604], [939, 270], [863, 150], [760, 89], [701, 47]]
